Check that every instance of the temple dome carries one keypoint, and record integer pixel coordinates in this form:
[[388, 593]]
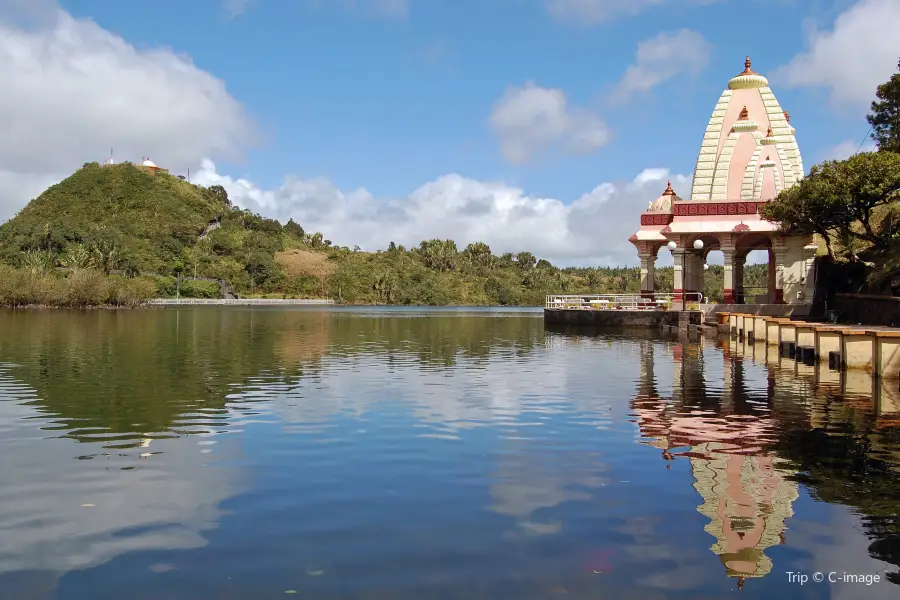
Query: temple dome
[[663, 204], [730, 163], [149, 163], [747, 79]]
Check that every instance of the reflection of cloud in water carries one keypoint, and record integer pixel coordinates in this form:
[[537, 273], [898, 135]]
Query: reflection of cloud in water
[[551, 391], [836, 546], [61, 513]]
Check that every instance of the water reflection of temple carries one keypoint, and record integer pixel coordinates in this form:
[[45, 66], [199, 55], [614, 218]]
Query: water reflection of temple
[[747, 493]]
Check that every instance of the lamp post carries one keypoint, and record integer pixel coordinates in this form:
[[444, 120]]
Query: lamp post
[[698, 247], [672, 246]]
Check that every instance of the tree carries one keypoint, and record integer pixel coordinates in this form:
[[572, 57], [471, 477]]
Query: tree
[[77, 258], [479, 254], [439, 255], [316, 240], [106, 255], [292, 228], [846, 197], [801, 210], [219, 193], [39, 262], [261, 267], [885, 115], [526, 260]]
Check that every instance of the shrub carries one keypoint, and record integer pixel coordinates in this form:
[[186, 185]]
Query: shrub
[[81, 289]]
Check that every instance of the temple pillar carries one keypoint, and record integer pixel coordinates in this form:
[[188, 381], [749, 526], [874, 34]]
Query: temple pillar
[[689, 272], [770, 280], [648, 274], [678, 256], [779, 255], [739, 261], [729, 274]]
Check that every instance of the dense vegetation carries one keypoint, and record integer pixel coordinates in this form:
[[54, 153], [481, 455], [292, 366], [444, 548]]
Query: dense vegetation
[[853, 205], [134, 235]]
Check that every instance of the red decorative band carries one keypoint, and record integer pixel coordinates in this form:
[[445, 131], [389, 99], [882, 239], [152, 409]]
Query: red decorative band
[[656, 218], [701, 209]]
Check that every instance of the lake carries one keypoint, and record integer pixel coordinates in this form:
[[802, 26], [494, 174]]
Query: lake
[[417, 454]]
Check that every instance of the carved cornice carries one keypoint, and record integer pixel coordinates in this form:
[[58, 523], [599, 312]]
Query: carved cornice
[[699, 209], [656, 218]]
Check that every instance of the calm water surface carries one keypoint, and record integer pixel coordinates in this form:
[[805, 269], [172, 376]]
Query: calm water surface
[[407, 454]]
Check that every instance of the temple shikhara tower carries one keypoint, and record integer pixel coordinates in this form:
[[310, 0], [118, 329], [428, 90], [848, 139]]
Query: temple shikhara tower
[[748, 155]]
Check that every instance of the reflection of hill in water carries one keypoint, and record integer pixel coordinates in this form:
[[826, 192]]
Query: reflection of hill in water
[[125, 374], [747, 451], [109, 503]]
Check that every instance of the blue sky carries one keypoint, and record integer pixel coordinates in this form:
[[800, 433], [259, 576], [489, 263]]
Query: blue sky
[[388, 95]]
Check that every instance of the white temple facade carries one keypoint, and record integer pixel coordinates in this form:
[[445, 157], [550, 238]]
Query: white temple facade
[[748, 155]]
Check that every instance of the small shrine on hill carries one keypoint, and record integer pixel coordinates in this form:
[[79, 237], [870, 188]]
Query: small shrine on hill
[[748, 155], [151, 167]]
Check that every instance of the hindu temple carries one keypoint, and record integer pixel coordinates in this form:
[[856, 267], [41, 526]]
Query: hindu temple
[[748, 155]]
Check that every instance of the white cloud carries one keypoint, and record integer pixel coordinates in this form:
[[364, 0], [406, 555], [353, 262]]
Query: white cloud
[[392, 9], [531, 121], [588, 13], [72, 90], [669, 54], [234, 8], [847, 148], [594, 229], [594, 12], [852, 58]]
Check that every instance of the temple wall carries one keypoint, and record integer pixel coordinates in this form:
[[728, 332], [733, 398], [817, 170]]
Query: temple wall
[[798, 276]]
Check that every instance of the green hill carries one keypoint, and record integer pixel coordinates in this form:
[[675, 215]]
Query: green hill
[[129, 225]]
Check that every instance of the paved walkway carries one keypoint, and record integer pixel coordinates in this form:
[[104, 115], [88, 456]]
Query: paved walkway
[[238, 302]]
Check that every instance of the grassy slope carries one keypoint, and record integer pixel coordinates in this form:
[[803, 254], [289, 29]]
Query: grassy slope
[[156, 221]]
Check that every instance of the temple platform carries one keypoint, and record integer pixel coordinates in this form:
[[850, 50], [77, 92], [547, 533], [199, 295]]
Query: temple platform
[[872, 349], [794, 311]]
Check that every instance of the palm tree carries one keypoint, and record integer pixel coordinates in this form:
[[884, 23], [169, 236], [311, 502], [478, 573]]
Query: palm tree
[[77, 258], [39, 262]]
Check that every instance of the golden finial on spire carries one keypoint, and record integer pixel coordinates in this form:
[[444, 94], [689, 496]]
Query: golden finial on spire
[[669, 191], [769, 132], [747, 70], [787, 116], [745, 114]]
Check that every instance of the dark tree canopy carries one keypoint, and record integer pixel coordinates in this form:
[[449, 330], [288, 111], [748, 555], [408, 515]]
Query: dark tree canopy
[[885, 115], [849, 198]]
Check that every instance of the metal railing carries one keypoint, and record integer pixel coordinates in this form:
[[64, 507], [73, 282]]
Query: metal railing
[[620, 301]]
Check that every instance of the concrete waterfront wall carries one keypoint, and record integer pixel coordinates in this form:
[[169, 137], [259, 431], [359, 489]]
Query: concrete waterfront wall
[[870, 349], [621, 319]]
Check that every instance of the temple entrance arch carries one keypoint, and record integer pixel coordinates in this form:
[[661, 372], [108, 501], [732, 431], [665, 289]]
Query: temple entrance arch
[[757, 288]]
